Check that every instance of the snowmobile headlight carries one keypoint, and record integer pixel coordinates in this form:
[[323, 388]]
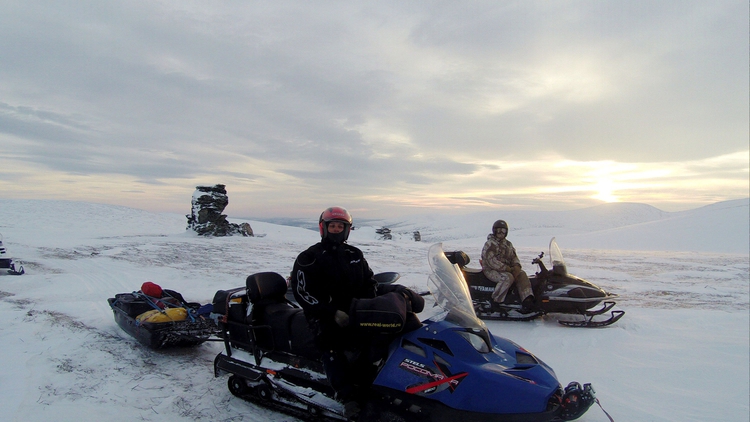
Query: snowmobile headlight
[[476, 341]]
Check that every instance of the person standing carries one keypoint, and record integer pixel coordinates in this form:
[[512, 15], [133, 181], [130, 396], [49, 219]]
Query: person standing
[[326, 278]]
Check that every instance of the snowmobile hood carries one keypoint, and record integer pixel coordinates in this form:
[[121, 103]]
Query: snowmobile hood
[[455, 360], [460, 368]]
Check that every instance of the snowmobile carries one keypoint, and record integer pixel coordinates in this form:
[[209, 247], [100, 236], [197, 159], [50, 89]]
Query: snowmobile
[[163, 322], [555, 291], [7, 263], [450, 367]]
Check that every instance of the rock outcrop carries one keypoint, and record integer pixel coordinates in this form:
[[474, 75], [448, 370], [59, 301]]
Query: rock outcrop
[[206, 216]]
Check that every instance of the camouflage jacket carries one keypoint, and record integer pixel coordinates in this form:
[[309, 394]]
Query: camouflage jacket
[[499, 255]]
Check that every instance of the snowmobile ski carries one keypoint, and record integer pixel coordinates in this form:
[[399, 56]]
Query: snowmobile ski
[[588, 321], [605, 307], [13, 270]]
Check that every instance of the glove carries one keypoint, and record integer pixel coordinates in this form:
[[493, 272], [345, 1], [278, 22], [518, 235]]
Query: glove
[[415, 301], [341, 318]]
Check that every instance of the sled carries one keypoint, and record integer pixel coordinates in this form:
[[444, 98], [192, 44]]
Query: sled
[[184, 328]]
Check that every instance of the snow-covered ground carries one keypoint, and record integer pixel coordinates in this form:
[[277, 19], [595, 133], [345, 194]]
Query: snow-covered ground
[[680, 353]]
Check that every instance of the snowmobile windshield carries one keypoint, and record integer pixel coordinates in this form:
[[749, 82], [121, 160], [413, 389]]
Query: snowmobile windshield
[[450, 291], [556, 258]]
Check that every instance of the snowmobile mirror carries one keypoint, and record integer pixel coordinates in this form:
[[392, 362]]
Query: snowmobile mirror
[[388, 277]]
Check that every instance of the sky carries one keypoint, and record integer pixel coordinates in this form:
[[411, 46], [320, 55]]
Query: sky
[[386, 108]]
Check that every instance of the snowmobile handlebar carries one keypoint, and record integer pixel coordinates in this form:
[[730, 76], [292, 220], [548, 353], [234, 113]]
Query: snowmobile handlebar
[[538, 261]]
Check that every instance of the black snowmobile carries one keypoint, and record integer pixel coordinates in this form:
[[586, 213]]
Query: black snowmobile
[[7, 263], [447, 368], [555, 291], [163, 322]]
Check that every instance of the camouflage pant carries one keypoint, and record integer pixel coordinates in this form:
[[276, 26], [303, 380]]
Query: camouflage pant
[[504, 282]]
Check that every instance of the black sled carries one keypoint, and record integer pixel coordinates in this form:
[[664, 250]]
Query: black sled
[[173, 322], [7, 263], [450, 368], [555, 292]]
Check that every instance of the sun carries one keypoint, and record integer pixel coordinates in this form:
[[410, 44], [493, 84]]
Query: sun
[[605, 191]]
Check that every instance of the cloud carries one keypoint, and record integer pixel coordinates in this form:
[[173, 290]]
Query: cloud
[[372, 100]]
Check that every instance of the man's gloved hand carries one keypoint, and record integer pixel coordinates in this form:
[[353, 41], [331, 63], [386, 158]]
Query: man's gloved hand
[[341, 318], [415, 301]]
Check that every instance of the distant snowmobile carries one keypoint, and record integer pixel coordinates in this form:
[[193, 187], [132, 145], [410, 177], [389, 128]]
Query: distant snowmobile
[[555, 291], [449, 369], [7, 263]]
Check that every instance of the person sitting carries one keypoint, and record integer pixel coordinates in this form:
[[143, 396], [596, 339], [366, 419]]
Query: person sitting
[[500, 264]]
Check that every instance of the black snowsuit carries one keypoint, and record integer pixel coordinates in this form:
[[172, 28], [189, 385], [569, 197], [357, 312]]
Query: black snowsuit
[[326, 278]]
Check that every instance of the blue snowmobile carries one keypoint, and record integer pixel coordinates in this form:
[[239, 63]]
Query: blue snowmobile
[[449, 368]]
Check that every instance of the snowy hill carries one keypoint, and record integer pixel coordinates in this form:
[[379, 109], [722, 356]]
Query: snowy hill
[[680, 353], [721, 227]]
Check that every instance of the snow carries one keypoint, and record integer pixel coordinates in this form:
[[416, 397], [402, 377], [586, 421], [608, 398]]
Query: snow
[[680, 353]]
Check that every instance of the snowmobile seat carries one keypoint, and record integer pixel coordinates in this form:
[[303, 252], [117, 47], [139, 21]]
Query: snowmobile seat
[[266, 288], [277, 324]]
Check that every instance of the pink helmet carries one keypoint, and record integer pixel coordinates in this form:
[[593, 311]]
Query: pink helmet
[[335, 214]]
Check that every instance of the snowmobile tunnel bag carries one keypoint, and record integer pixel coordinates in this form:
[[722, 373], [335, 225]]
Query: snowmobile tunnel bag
[[223, 298]]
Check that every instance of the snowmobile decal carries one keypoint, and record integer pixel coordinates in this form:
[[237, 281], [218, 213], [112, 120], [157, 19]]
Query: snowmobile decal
[[439, 379]]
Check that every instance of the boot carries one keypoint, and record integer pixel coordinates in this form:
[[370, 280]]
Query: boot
[[351, 409], [528, 306]]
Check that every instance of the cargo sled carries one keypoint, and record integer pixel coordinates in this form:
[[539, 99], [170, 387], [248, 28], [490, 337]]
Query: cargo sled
[[164, 320]]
